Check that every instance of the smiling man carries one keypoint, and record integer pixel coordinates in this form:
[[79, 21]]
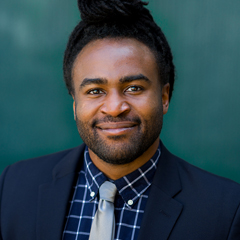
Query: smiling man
[[122, 183]]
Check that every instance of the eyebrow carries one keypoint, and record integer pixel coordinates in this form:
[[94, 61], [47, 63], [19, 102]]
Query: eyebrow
[[89, 81], [133, 78], [127, 79]]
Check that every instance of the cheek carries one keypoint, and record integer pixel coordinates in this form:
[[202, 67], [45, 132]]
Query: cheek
[[86, 111], [148, 106]]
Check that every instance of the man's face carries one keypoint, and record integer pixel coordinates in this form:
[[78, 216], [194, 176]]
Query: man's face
[[118, 99]]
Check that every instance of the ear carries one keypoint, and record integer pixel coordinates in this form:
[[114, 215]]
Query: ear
[[74, 104], [165, 97]]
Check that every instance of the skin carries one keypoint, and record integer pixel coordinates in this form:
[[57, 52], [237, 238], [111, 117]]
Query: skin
[[118, 102]]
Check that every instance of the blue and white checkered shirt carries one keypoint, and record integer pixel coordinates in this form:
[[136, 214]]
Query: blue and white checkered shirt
[[130, 201]]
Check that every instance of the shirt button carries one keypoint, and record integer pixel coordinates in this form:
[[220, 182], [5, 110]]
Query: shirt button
[[130, 202], [92, 194]]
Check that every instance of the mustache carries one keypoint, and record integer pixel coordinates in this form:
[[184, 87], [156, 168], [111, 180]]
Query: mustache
[[116, 119]]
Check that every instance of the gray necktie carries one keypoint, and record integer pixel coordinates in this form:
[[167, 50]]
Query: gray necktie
[[103, 225]]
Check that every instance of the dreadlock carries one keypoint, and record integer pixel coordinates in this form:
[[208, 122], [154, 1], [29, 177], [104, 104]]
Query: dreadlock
[[118, 19]]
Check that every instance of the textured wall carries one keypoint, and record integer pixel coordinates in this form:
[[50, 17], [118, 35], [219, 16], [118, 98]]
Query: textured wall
[[202, 125]]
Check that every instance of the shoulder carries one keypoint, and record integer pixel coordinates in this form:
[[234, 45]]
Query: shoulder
[[192, 175], [43, 167], [197, 186], [202, 179]]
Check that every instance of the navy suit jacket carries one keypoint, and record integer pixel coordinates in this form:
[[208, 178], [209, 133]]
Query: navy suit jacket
[[185, 202]]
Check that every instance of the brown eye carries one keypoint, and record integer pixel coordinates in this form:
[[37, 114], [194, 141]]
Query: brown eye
[[134, 89], [95, 91]]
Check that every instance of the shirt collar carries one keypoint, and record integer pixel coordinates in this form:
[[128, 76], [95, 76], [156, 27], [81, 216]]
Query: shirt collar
[[94, 177], [130, 187], [133, 185]]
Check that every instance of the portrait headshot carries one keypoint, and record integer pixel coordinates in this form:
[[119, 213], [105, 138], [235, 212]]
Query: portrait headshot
[[119, 120]]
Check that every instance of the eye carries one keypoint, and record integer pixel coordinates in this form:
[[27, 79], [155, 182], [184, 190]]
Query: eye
[[95, 91], [134, 89]]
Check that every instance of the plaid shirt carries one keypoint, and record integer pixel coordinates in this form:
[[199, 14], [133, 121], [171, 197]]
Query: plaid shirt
[[130, 201]]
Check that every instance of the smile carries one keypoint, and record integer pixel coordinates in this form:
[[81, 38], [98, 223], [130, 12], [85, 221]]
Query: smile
[[116, 128]]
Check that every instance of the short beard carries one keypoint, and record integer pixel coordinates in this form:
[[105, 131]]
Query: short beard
[[120, 152]]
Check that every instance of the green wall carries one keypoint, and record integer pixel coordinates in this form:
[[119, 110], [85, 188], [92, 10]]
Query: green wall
[[202, 125]]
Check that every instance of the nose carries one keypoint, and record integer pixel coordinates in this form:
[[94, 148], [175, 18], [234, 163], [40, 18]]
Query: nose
[[115, 105]]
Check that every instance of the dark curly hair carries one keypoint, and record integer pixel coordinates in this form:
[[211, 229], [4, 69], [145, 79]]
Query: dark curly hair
[[118, 19]]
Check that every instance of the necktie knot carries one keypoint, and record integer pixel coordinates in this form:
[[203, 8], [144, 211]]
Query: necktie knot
[[107, 191]]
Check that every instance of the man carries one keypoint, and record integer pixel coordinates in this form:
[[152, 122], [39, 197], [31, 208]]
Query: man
[[118, 69]]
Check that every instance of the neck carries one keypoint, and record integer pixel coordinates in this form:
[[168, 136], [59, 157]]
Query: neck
[[115, 172]]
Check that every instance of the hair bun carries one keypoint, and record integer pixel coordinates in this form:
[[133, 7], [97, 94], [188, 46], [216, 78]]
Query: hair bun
[[105, 10]]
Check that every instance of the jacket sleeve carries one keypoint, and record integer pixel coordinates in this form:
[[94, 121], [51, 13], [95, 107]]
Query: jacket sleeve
[[234, 233]]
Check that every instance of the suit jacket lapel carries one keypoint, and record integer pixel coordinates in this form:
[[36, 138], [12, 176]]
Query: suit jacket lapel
[[162, 211], [54, 196]]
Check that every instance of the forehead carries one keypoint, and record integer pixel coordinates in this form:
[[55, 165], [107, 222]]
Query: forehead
[[112, 57], [125, 45]]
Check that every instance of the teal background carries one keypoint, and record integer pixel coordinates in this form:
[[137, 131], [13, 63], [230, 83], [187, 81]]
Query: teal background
[[202, 125]]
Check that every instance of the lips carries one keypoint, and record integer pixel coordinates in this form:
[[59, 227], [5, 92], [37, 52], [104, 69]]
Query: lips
[[116, 127]]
